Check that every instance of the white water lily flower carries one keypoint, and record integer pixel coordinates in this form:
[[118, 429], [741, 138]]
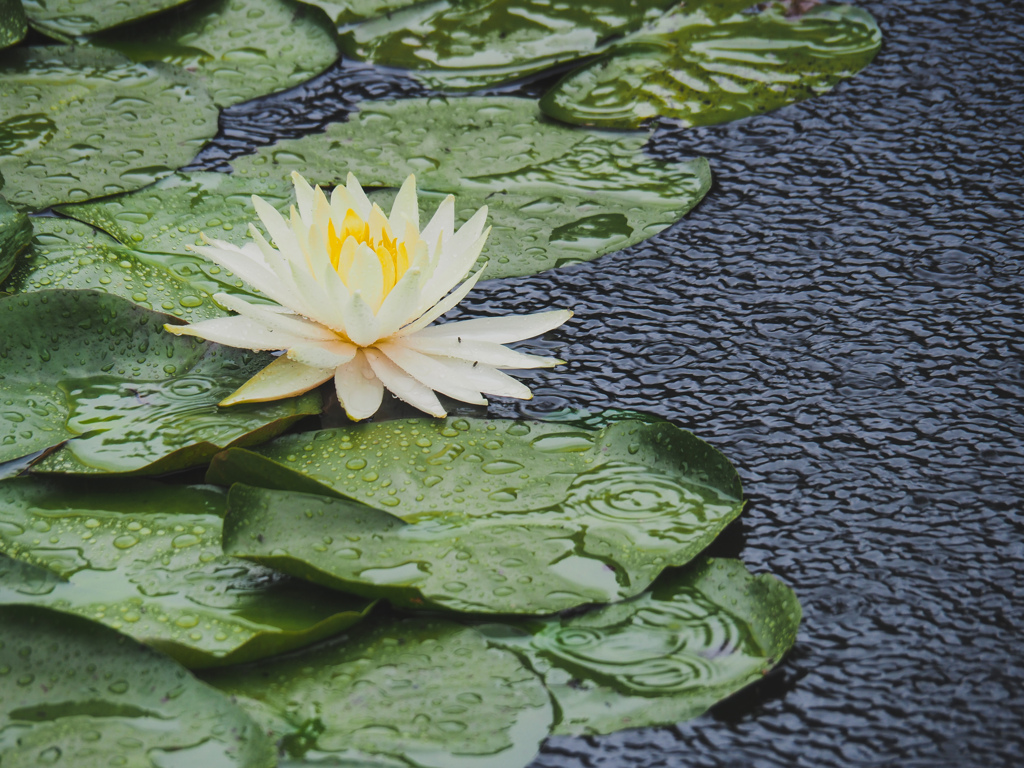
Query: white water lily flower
[[356, 292]]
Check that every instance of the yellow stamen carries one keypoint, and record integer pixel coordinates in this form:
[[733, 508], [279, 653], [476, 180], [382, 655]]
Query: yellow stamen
[[393, 256]]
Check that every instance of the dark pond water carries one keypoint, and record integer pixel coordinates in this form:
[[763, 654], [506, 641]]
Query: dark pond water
[[842, 317]]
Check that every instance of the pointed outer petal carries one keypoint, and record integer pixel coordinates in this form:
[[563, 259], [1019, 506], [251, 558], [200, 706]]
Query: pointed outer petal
[[449, 270], [395, 310], [282, 378], [379, 223], [359, 390], [485, 352], [437, 374], [443, 306], [338, 297], [442, 224], [404, 386], [366, 276], [489, 380], [341, 203], [302, 238], [361, 322], [304, 197], [316, 305], [405, 206], [319, 253], [241, 332], [277, 227], [500, 330], [324, 354], [289, 324], [249, 272], [360, 202], [277, 262]]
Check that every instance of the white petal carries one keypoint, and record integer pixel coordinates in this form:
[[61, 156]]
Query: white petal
[[304, 197], [289, 324], [322, 354], [476, 351], [404, 386], [489, 380], [442, 225], [431, 372], [395, 311], [443, 306], [405, 208], [500, 330], [366, 276], [341, 203], [361, 324], [241, 332], [359, 390], [360, 202], [277, 227], [282, 378], [449, 270]]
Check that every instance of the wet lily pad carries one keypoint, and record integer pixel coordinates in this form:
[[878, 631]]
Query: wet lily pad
[[467, 44], [482, 516], [345, 12], [95, 368], [146, 560], [79, 694], [557, 196], [64, 19], [15, 235], [169, 216], [701, 70], [72, 255], [429, 691], [285, 43], [59, 103], [13, 24], [699, 635]]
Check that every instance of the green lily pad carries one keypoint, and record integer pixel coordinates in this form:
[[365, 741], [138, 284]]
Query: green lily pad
[[481, 516], [556, 196], [699, 635], [285, 43], [429, 691], [700, 70], [345, 12], [60, 104], [460, 44], [15, 235], [13, 24], [146, 560], [68, 254], [65, 19], [169, 216], [79, 694], [95, 368]]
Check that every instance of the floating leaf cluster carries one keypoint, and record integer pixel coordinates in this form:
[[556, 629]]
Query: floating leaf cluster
[[182, 583]]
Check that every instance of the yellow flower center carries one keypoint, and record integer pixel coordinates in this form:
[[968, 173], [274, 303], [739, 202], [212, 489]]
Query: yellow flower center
[[393, 256]]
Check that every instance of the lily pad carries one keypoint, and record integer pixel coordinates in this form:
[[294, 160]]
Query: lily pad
[[482, 516], [429, 691], [700, 70], [15, 235], [146, 560], [557, 196], [64, 19], [59, 103], [285, 43], [79, 694], [169, 216], [345, 12], [95, 368], [13, 24], [699, 635], [72, 255], [467, 44]]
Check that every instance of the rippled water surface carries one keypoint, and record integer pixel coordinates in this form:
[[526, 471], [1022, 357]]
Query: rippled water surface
[[842, 317]]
